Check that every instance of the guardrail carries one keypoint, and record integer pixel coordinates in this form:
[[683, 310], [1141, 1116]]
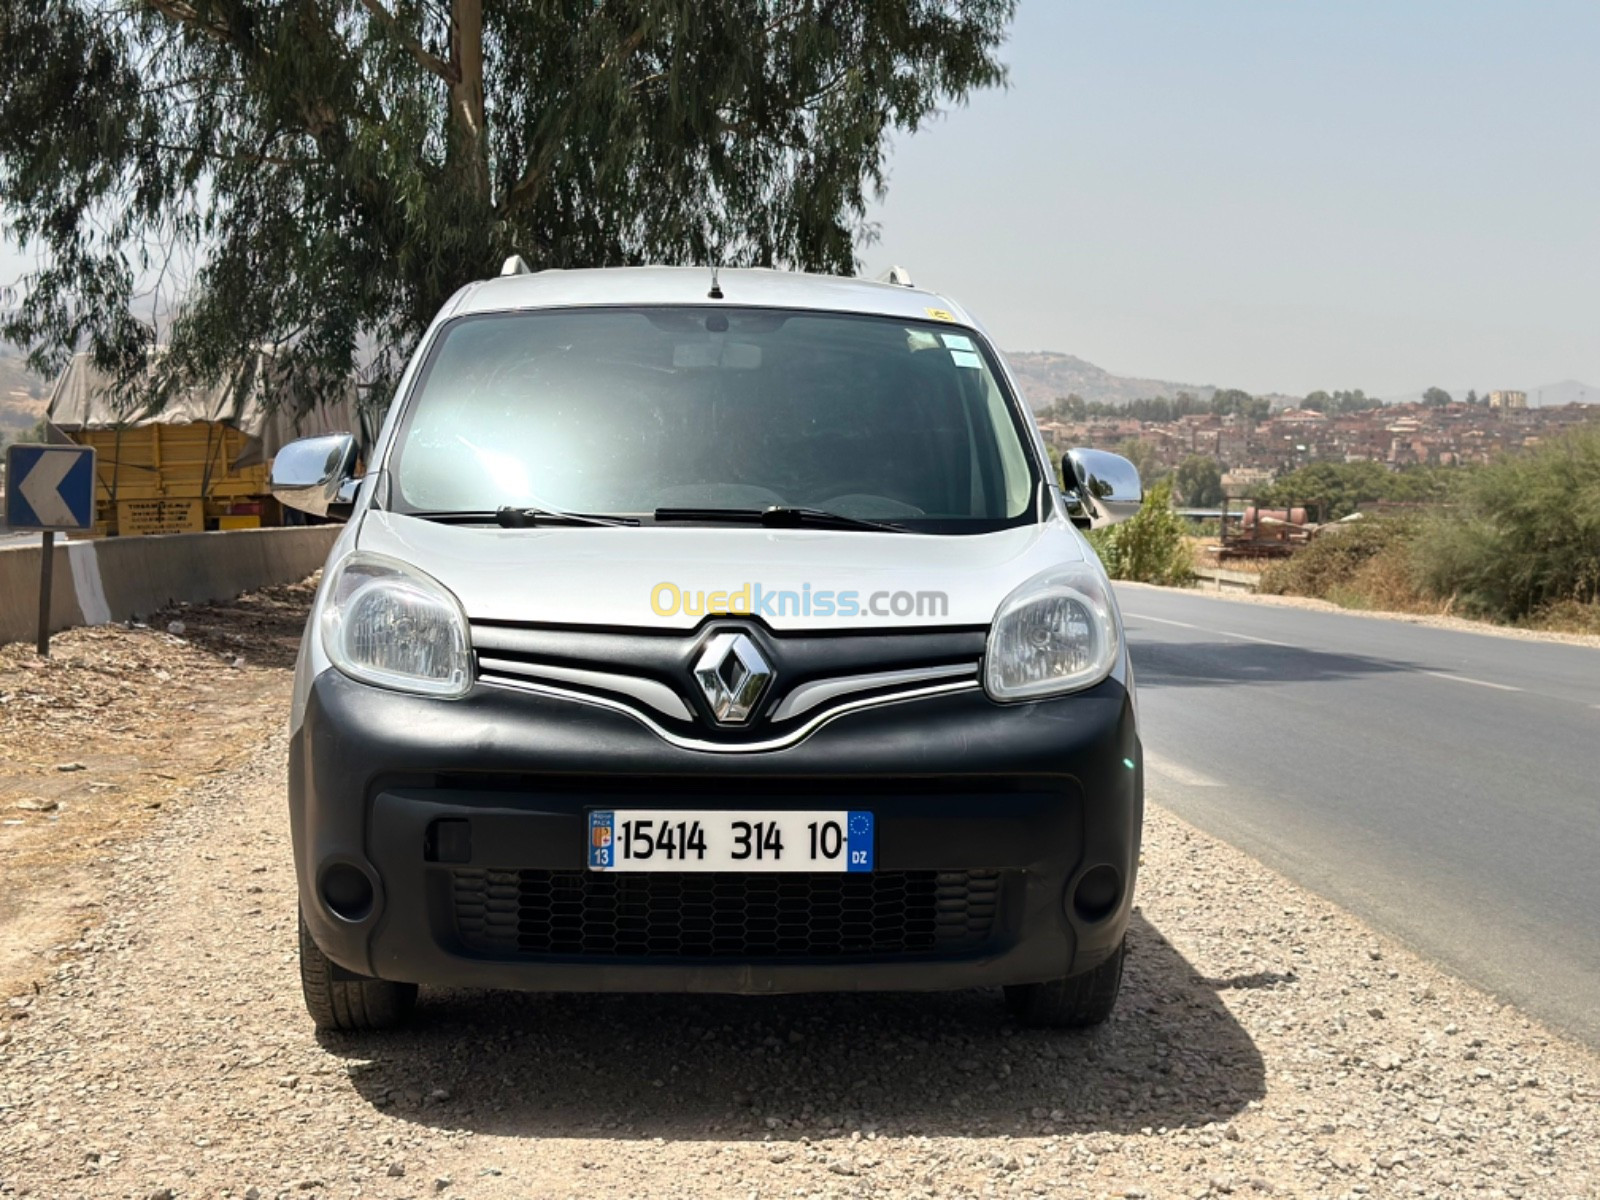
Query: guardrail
[[113, 579], [1220, 579]]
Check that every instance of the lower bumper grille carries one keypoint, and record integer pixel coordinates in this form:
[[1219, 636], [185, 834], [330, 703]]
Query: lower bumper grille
[[670, 915]]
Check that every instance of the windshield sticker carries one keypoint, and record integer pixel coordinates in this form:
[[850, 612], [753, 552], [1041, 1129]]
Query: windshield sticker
[[694, 354], [956, 342], [966, 358], [939, 314]]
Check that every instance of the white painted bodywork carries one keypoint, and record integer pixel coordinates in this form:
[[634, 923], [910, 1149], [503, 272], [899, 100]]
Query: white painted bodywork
[[604, 576]]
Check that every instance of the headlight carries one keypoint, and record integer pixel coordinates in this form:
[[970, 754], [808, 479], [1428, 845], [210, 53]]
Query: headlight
[[386, 623], [1056, 633]]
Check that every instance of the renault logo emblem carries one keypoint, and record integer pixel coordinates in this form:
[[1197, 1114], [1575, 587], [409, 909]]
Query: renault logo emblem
[[732, 674]]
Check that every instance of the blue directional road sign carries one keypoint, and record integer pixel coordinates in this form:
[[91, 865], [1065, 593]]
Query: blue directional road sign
[[50, 487]]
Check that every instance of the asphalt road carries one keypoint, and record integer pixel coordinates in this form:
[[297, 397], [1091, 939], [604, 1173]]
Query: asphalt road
[[1444, 785]]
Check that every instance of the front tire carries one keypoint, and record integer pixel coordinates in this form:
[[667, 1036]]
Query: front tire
[[340, 1000], [1077, 1002]]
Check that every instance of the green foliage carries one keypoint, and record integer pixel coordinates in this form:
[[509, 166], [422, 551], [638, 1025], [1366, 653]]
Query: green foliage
[[1149, 547], [1160, 408], [325, 174], [1437, 397], [1336, 403], [1343, 488], [1071, 407], [1519, 542], [1525, 535], [1199, 481], [1233, 401]]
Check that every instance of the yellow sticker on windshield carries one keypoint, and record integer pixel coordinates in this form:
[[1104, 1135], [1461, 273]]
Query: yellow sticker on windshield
[[939, 314]]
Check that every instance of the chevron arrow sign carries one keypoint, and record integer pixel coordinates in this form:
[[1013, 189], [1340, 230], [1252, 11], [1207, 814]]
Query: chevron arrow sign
[[50, 487]]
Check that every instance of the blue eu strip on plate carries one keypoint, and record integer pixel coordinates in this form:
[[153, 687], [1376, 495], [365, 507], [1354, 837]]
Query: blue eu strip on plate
[[858, 841]]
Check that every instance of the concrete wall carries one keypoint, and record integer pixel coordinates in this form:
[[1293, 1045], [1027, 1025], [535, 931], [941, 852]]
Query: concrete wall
[[97, 582]]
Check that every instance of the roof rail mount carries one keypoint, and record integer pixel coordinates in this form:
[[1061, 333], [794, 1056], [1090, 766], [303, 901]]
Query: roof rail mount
[[515, 265], [898, 276]]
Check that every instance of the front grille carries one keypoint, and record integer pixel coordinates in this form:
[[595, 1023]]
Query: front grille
[[673, 915]]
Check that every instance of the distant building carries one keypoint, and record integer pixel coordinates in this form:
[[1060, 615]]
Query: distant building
[[1243, 481], [1057, 434], [1508, 399]]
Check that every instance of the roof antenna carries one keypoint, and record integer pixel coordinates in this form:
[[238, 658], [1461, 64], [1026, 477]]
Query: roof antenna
[[716, 288]]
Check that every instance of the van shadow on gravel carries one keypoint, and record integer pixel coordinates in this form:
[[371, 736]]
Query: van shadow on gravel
[[729, 1067]]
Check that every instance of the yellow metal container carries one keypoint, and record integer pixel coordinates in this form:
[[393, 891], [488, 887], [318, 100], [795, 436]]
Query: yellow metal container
[[184, 471]]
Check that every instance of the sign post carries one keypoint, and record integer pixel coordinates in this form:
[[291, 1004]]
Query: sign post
[[47, 572], [51, 489]]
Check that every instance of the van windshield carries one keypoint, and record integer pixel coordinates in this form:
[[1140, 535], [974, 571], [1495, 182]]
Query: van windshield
[[633, 411]]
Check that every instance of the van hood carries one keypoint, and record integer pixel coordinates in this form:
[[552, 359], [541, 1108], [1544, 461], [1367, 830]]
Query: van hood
[[663, 577]]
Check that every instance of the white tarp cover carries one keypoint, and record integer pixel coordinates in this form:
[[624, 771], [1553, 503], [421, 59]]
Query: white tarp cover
[[84, 399]]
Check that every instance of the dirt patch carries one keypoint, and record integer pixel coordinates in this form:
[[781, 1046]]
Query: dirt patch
[[115, 726]]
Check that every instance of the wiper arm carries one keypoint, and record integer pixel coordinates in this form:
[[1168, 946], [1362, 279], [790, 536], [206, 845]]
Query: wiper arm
[[777, 515], [519, 518]]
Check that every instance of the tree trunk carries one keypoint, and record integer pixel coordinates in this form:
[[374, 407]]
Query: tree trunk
[[469, 139]]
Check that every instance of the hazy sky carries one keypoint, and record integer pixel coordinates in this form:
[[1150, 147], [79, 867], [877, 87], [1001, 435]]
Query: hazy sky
[[1276, 196]]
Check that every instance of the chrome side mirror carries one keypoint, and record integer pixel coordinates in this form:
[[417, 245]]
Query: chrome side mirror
[[1108, 488], [315, 474]]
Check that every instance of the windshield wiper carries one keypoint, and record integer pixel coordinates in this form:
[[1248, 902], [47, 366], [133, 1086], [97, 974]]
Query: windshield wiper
[[521, 517], [778, 516]]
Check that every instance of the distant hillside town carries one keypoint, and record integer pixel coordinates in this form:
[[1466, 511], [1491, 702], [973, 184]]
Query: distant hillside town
[[1253, 444], [1048, 376]]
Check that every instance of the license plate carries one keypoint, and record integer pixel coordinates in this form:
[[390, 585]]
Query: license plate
[[671, 840]]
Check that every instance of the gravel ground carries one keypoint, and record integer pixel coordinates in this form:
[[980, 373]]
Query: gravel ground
[[117, 724], [1266, 1044]]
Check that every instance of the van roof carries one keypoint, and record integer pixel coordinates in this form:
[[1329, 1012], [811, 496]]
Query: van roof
[[741, 287]]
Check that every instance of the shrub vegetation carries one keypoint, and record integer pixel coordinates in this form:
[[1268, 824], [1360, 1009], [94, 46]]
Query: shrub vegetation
[[1360, 564], [1525, 535], [1518, 541], [1150, 546]]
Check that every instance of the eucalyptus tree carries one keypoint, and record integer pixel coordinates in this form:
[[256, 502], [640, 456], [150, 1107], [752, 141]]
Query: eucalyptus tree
[[321, 175]]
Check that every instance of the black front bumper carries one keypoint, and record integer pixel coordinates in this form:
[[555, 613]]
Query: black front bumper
[[1023, 802]]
